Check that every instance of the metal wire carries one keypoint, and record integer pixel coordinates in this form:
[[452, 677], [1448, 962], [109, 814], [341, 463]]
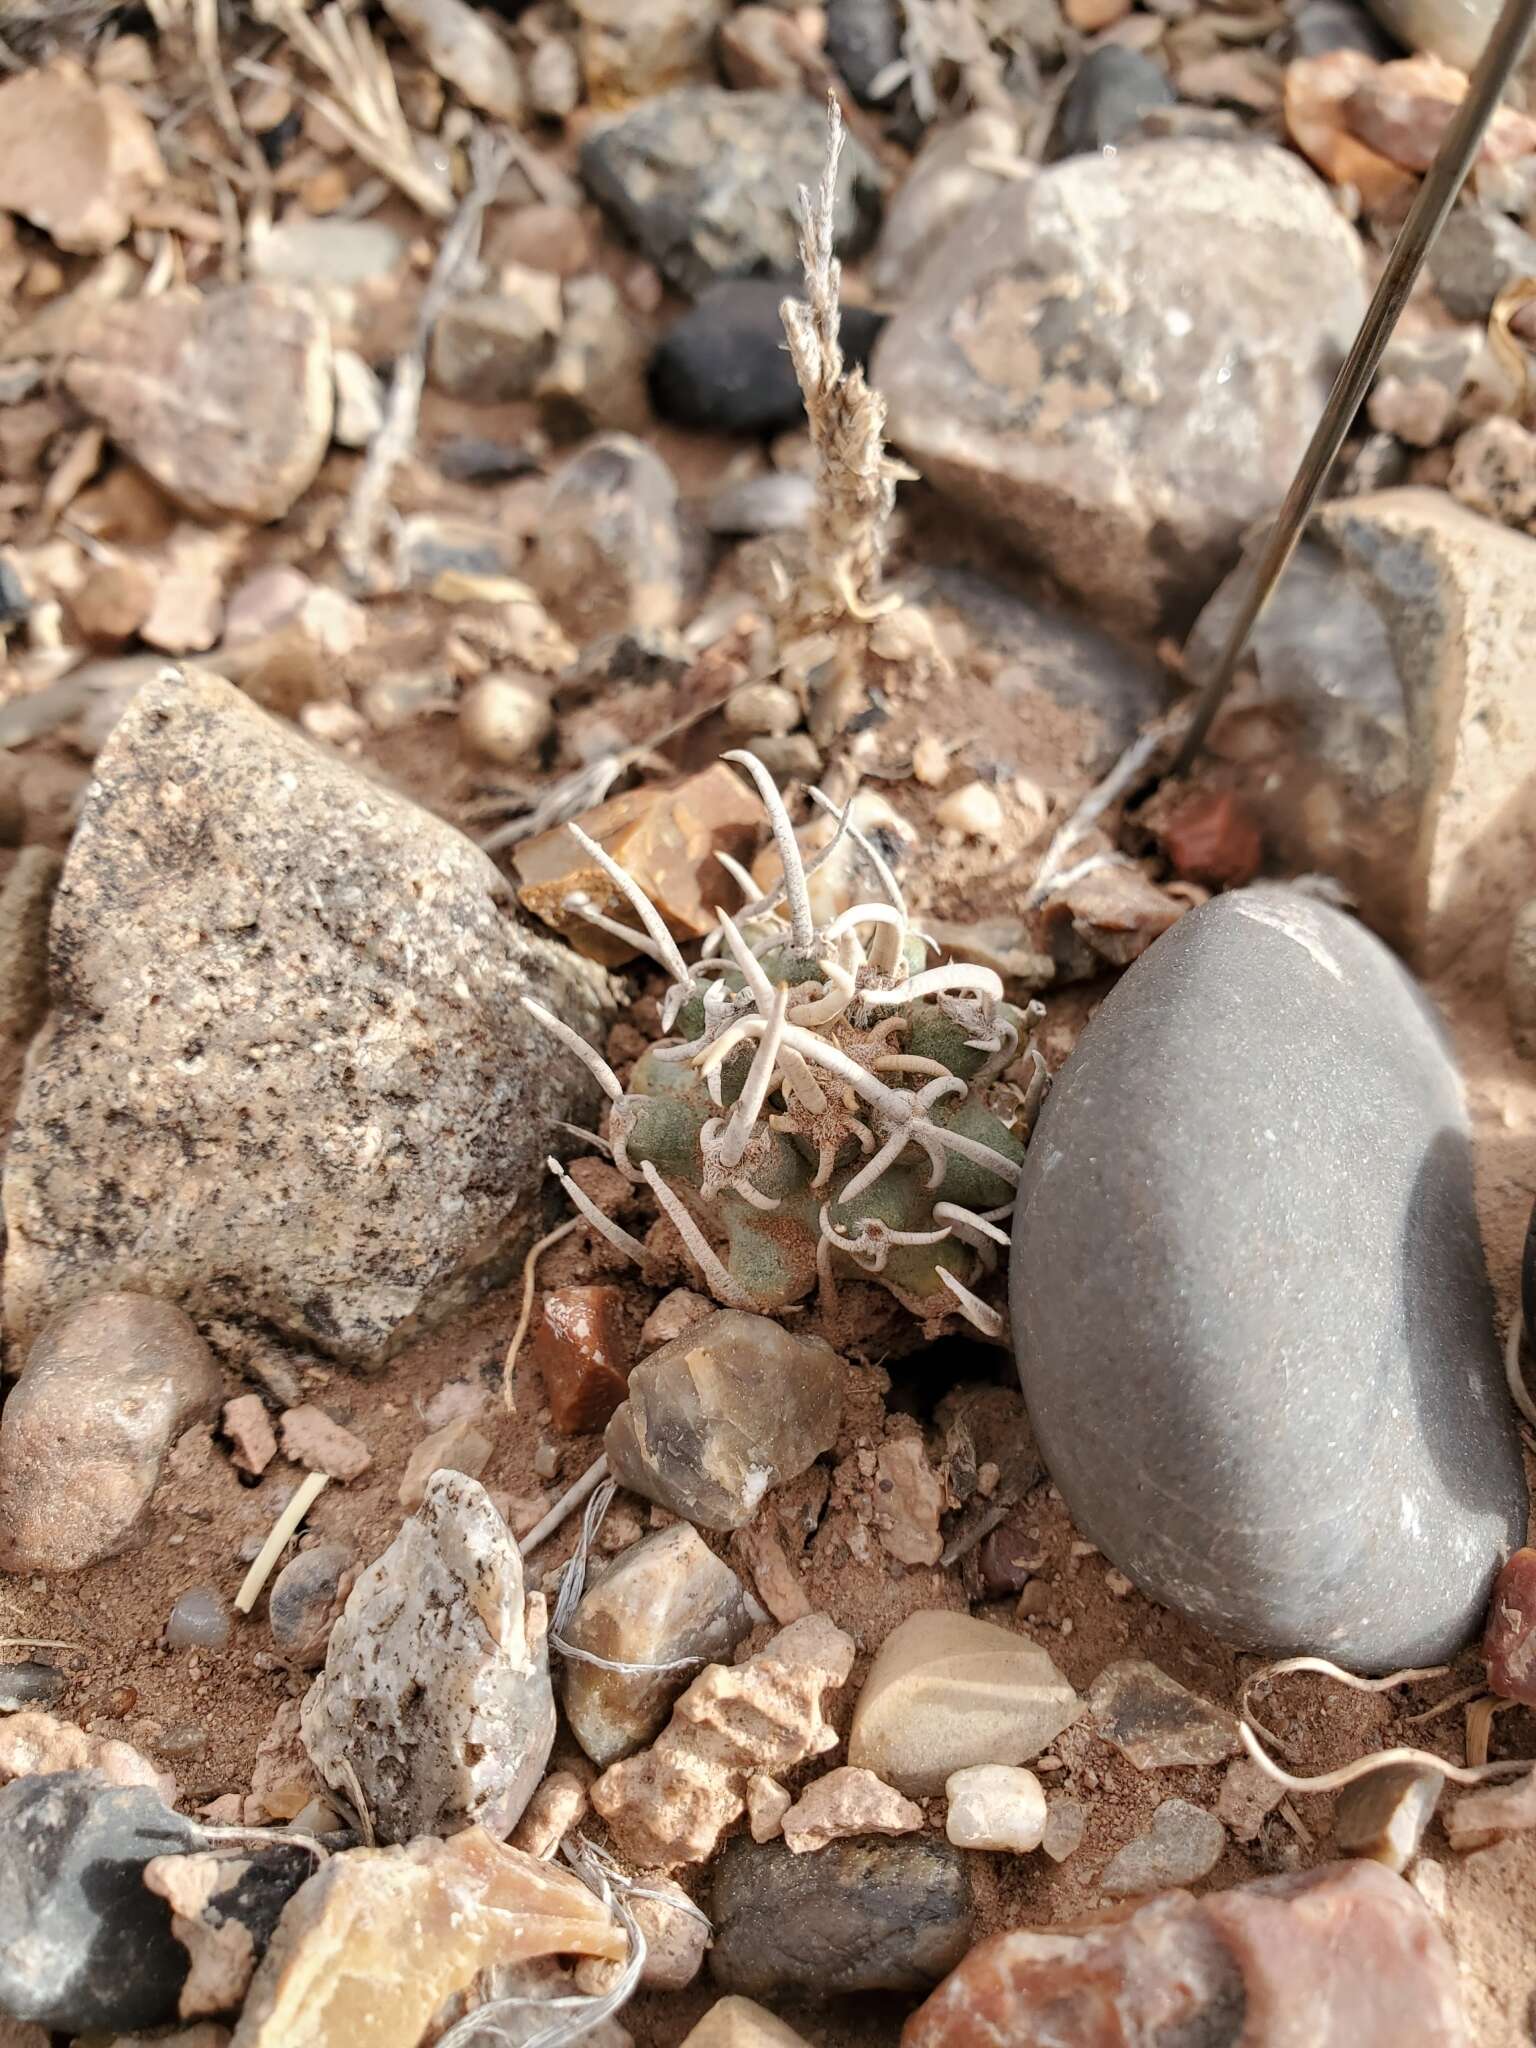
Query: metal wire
[[1435, 197]]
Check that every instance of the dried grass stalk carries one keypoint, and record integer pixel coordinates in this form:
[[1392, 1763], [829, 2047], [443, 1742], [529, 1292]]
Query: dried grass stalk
[[365, 109]]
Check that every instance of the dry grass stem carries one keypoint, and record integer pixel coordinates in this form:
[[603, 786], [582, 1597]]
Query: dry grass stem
[[363, 104], [396, 435]]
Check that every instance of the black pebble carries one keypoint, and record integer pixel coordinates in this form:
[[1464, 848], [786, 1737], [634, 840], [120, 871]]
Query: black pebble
[[724, 367], [83, 1942], [863, 39], [14, 602], [1105, 101]]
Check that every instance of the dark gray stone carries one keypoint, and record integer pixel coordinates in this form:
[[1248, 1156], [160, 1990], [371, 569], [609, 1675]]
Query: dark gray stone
[[724, 366], [1075, 663], [29, 1684], [1110, 92], [705, 181], [1249, 1302], [859, 1915], [1476, 254], [863, 39], [1323, 25], [303, 1603], [83, 1943]]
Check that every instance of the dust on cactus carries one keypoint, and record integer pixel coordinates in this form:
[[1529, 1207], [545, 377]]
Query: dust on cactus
[[825, 1104]]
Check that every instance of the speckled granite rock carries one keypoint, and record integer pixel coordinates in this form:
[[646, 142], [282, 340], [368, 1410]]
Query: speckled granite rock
[[286, 1074], [1281, 1413]]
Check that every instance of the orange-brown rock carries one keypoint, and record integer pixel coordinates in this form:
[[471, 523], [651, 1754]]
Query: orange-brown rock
[[667, 839], [1403, 109], [1509, 1641], [1345, 1956], [583, 1352], [1211, 837], [1316, 92], [377, 1941]]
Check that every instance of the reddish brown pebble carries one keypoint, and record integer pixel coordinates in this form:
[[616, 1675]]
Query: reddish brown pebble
[[1345, 1956], [1009, 1557], [1509, 1642], [253, 1442], [582, 1352], [1212, 838], [312, 1439]]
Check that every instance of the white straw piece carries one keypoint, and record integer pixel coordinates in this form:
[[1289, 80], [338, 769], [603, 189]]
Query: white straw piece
[[305, 1495]]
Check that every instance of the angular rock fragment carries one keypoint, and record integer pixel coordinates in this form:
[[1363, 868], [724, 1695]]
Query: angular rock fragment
[[1384, 1815], [1066, 1822], [436, 1690], [909, 1499], [76, 158], [1155, 1722], [705, 182], [225, 1904], [741, 2023], [550, 1814], [767, 1804], [108, 1388], [666, 1600], [379, 1940], [716, 1419], [249, 1428], [1248, 1796], [859, 1916], [847, 1802], [1509, 1640], [225, 399], [1480, 1818], [1353, 1382], [1345, 1956], [607, 555], [995, 1806], [315, 1016], [489, 347], [1084, 438], [629, 53], [667, 839], [580, 1348], [316, 1441], [670, 1804], [1182, 1845], [456, 1447], [1396, 644], [85, 1944], [947, 1691]]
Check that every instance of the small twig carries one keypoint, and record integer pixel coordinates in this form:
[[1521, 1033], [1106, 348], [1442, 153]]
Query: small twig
[[525, 1317], [396, 433], [1090, 810], [359, 1804], [305, 1495], [564, 1507]]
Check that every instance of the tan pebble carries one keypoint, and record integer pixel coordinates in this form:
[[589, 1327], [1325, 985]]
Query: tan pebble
[[249, 1429], [767, 1804], [976, 810], [930, 761], [505, 717], [457, 1447], [313, 1440], [552, 1812], [674, 1313], [849, 1801]]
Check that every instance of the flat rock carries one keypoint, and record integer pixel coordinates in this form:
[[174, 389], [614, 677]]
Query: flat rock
[[723, 367], [1397, 643], [1336, 1467], [717, 1418], [1122, 404], [86, 1945], [225, 398], [859, 1916], [108, 1388], [1384, 1814], [1154, 1721], [947, 1691], [373, 1946], [290, 997], [1182, 1845], [1345, 1956], [666, 1600], [705, 182], [76, 158], [436, 1690]]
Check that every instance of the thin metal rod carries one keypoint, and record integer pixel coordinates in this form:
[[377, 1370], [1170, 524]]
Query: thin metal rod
[[1435, 198]]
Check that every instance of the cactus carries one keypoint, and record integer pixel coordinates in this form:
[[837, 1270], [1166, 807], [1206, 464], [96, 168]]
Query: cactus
[[820, 1106]]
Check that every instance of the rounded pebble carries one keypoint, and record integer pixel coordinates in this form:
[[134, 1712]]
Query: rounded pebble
[[304, 1602], [198, 1621], [995, 1806], [505, 717]]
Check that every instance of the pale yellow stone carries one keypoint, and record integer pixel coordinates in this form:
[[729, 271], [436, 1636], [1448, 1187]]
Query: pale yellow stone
[[742, 2023], [946, 1691], [376, 1942], [34, 1745], [767, 1804]]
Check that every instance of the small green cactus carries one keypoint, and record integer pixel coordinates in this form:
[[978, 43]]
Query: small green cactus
[[820, 1106]]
